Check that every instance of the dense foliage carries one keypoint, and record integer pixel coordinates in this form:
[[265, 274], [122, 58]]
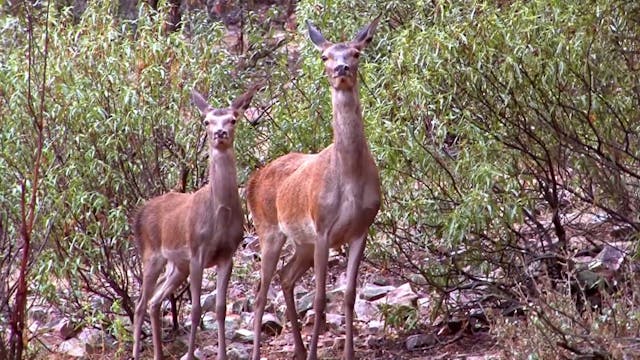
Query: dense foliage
[[498, 128]]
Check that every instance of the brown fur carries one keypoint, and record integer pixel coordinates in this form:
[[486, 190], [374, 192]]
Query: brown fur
[[319, 201], [190, 232]]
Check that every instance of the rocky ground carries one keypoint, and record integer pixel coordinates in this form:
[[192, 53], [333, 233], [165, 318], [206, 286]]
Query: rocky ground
[[382, 334]]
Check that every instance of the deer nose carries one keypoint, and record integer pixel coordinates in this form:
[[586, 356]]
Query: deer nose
[[220, 134], [341, 69]]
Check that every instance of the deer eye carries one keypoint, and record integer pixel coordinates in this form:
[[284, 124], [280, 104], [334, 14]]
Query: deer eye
[[205, 122], [233, 121], [356, 54], [324, 58]]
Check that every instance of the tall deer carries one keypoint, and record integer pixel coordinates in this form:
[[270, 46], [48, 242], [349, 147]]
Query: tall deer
[[190, 232], [319, 200]]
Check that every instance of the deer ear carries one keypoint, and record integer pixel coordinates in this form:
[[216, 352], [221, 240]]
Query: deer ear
[[241, 103], [200, 102], [316, 37], [365, 35]]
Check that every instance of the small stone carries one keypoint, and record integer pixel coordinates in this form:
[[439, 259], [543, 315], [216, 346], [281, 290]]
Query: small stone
[[418, 279], [65, 329], [335, 321], [402, 295], [424, 303], [271, 325], [373, 342], [38, 314], [239, 306], [380, 281], [73, 347], [611, 258], [339, 342], [305, 303], [336, 294], [375, 326], [365, 310], [208, 320], [210, 351], [231, 323], [237, 352], [93, 339], [243, 335], [208, 302], [420, 340], [375, 292], [197, 353]]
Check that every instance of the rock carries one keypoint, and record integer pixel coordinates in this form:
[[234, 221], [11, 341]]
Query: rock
[[208, 321], [335, 321], [243, 335], [401, 296], [375, 292], [197, 353], [418, 279], [65, 329], [208, 302], [365, 310], [420, 340], [330, 346], [231, 323], [424, 303], [336, 294], [210, 351], [241, 305], [610, 258], [73, 347], [373, 342], [333, 296], [93, 339], [271, 325], [339, 342], [237, 352], [101, 303], [38, 314], [380, 281], [305, 303], [375, 326], [34, 327]]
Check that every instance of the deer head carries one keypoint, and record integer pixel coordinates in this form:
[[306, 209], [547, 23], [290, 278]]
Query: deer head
[[220, 124], [341, 60]]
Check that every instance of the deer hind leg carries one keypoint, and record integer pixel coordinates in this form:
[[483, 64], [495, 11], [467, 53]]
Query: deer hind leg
[[356, 251], [173, 277], [271, 246], [289, 275], [150, 273]]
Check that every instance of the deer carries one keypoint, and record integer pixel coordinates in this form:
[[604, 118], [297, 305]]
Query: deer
[[188, 232], [319, 201]]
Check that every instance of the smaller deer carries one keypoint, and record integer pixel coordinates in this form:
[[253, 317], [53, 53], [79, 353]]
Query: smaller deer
[[190, 232]]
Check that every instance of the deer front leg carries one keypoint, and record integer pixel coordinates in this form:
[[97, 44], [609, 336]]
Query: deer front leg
[[224, 273], [320, 260], [195, 272], [356, 250]]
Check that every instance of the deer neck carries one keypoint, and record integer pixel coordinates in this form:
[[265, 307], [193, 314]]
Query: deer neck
[[350, 143], [222, 177]]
